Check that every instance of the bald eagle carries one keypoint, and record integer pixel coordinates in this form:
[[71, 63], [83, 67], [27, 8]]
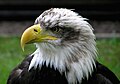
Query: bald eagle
[[66, 52]]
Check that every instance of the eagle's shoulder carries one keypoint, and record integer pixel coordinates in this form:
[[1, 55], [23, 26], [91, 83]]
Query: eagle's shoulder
[[45, 75], [101, 75], [105, 73], [20, 72]]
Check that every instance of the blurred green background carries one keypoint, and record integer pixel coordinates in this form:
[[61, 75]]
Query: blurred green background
[[11, 55]]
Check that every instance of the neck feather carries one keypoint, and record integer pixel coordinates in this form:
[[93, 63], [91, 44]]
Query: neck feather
[[78, 59]]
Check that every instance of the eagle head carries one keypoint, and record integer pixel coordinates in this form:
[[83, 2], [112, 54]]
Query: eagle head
[[64, 40]]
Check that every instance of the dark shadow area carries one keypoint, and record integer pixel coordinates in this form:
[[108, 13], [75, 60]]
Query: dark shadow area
[[30, 9]]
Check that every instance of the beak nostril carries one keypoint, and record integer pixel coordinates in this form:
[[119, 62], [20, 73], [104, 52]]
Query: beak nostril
[[35, 30]]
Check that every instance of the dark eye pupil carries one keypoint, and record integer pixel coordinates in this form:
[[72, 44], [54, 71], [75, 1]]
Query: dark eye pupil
[[55, 29]]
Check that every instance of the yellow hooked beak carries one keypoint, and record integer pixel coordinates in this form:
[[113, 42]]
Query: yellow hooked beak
[[35, 34]]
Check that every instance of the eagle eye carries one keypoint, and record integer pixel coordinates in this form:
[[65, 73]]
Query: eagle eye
[[55, 29]]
